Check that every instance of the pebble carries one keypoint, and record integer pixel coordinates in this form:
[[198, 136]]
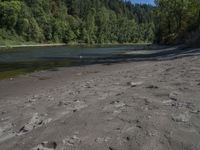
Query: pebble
[[173, 96], [71, 141], [120, 105], [167, 102], [33, 99], [46, 146], [134, 84], [184, 117], [102, 140], [195, 111]]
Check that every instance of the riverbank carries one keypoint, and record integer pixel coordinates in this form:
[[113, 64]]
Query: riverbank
[[65, 44], [149, 104], [31, 45]]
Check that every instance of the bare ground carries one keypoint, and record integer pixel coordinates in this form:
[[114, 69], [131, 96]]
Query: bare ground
[[145, 105]]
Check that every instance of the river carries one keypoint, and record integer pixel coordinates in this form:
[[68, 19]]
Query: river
[[25, 60]]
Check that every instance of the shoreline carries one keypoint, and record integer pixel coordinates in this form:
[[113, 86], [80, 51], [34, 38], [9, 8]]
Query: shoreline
[[139, 54], [32, 45], [65, 44]]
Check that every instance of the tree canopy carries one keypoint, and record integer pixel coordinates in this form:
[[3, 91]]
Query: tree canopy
[[80, 21], [100, 21], [177, 21]]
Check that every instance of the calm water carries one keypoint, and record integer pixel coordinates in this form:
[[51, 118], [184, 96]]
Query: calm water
[[60, 52], [18, 61], [24, 60]]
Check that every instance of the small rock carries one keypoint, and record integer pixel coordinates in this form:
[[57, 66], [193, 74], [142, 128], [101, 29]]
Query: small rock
[[102, 140], [50, 98], [195, 111], [46, 146], [46, 121], [134, 84], [151, 133], [78, 105], [33, 99], [5, 119], [173, 96], [167, 102], [120, 105], [71, 141], [87, 85], [114, 102], [185, 117], [147, 101]]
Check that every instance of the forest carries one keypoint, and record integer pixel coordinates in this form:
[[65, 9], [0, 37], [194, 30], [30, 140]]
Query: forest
[[99, 21], [177, 21], [76, 21]]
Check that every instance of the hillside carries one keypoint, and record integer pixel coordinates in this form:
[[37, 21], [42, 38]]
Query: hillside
[[75, 21]]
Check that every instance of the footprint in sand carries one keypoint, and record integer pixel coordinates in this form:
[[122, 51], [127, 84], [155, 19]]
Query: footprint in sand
[[35, 122]]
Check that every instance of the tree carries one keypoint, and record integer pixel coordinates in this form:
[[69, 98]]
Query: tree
[[9, 12], [175, 19], [88, 21]]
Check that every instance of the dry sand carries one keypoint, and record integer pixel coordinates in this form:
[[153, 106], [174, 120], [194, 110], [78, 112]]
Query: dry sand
[[144, 105]]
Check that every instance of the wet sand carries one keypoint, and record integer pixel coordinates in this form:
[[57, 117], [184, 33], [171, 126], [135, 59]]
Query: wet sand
[[140, 105]]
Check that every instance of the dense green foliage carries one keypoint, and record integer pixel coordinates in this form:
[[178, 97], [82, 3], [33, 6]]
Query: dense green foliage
[[99, 21], [177, 21], [79, 21]]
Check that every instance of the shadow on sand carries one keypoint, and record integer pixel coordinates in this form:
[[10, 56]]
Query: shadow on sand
[[158, 55]]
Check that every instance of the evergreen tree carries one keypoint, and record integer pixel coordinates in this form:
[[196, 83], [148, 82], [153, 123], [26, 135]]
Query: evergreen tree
[[85, 21]]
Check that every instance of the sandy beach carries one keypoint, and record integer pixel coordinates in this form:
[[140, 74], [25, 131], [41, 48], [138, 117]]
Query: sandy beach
[[137, 105]]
